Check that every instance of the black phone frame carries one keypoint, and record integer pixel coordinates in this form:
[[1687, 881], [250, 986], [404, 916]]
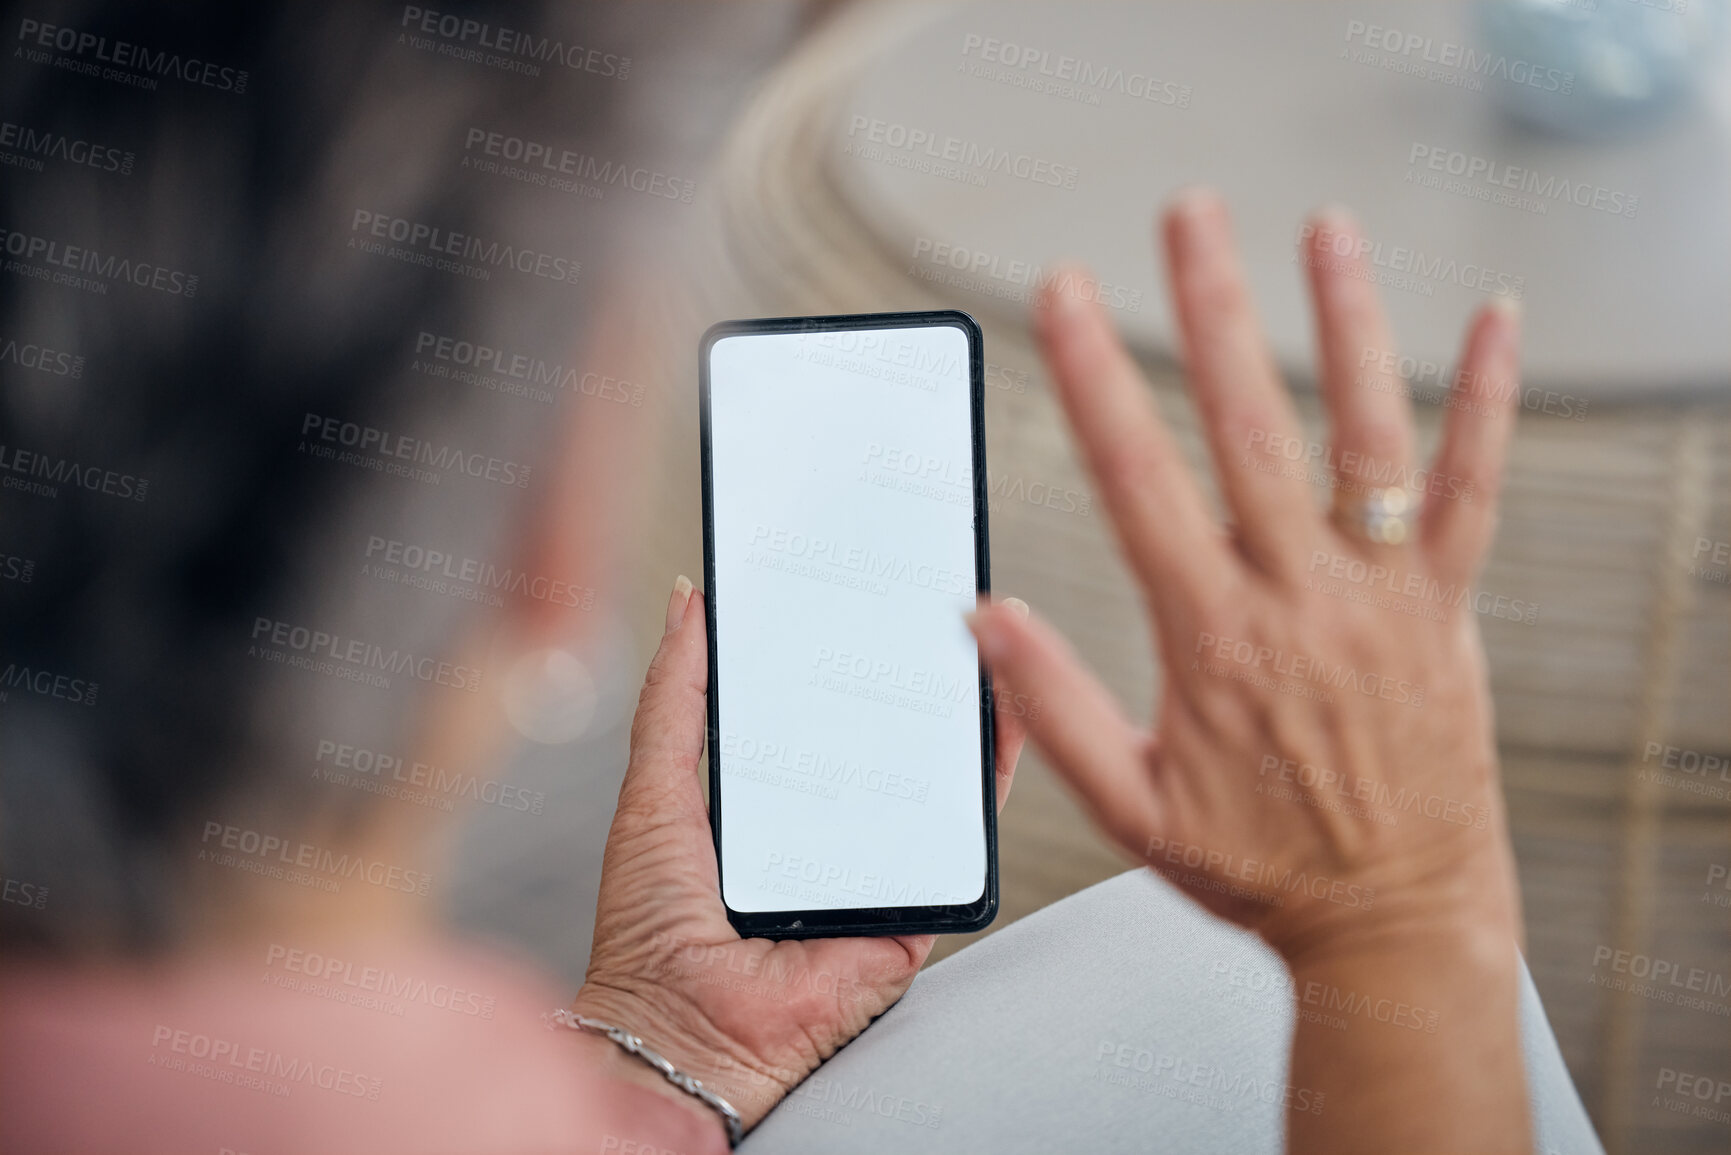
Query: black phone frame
[[958, 918]]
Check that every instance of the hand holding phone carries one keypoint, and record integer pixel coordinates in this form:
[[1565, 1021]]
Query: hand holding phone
[[750, 1017]]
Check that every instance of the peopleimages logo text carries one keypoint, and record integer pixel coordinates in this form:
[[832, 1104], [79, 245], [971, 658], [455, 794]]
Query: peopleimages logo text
[[378, 980], [47, 683], [549, 160], [29, 355], [985, 268], [124, 54], [525, 368], [464, 30], [1542, 187], [1458, 57], [48, 473], [317, 644], [439, 565], [1084, 74], [934, 146], [368, 439], [37, 145], [1411, 264], [28, 247], [463, 246], [271, 848]]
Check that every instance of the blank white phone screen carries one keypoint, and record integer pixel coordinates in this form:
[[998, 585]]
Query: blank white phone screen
[[848, 684]]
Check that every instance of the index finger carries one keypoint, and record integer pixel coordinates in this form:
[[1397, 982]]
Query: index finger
[[1009, 715], [1174, 545]]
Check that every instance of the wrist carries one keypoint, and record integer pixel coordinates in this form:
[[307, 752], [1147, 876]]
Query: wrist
[[688, 1114], [1465, 911], [694, 1045], [1459, 968], [1432, 1000]]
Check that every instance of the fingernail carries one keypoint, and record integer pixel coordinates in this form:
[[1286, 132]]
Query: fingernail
[[1190, 208], [1065, 302], [1017, 606], [1064, 296], [677, 603], [1509, 308], [1506, 329], [986, 633], [1335, 219], [1192, 201]]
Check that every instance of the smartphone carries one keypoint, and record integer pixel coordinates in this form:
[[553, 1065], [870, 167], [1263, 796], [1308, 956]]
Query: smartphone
[[851, 751]]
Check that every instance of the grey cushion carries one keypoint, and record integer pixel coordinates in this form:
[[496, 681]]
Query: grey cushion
[[1122, 1019]]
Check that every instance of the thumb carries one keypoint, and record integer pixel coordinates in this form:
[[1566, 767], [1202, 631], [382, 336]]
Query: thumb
[[1075, 721], [668, 731]]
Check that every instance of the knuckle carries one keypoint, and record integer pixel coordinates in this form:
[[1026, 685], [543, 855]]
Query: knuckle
[[659, 673], [1488, 485], [1236, 421], [1219, 608], [1355, 315], [1383, 438], [1130, 467], [1216, 297]]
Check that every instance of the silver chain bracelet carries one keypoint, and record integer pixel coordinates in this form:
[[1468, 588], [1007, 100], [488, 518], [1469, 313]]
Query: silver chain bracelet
[[632, 1045]]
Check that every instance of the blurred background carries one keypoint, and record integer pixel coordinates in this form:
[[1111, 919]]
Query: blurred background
[[339, 184]]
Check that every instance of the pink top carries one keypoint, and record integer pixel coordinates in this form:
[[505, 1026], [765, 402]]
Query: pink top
[[373, 1048]]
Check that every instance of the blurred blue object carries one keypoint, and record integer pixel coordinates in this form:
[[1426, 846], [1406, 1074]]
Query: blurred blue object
[[1599, 68]]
